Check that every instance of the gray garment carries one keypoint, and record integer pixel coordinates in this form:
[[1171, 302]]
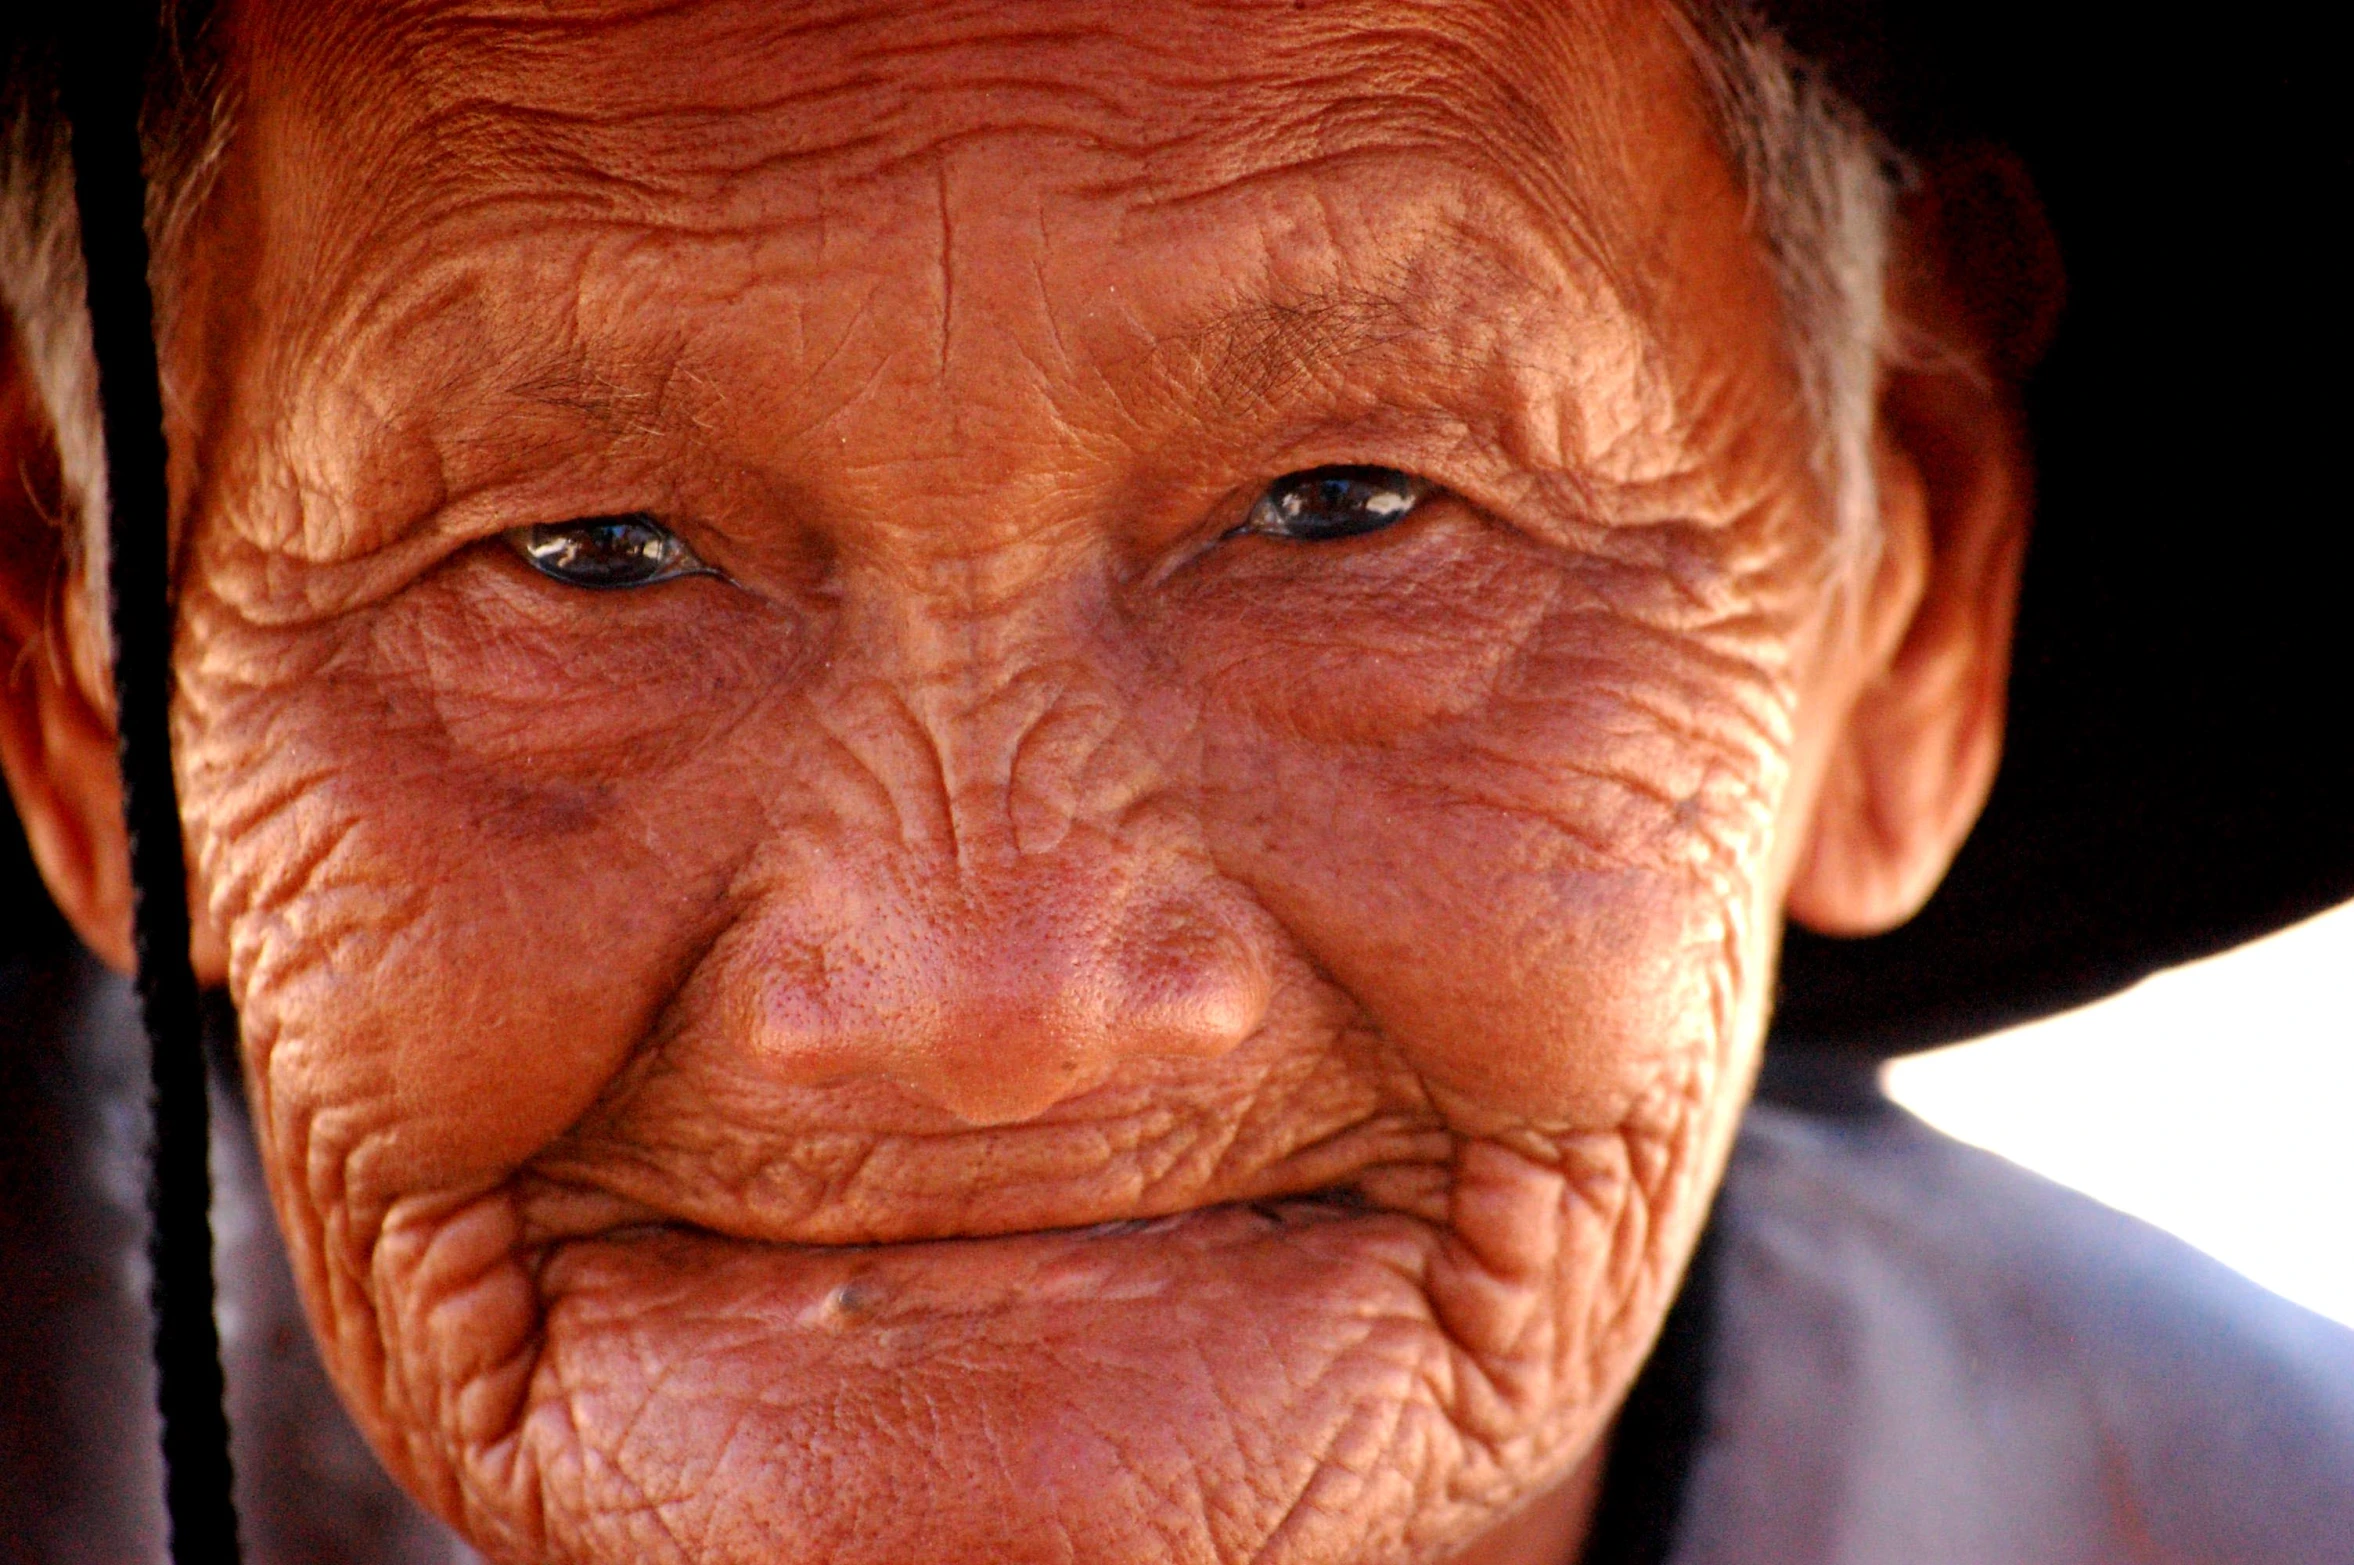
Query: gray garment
[[1925, 1354]]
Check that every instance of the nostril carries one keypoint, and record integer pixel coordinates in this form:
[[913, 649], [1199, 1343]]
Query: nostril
[[1044, 1020], [998, 1001], [1194, 987]]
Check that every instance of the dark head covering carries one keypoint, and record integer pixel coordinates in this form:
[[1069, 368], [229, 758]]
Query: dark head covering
[[2178, 776]]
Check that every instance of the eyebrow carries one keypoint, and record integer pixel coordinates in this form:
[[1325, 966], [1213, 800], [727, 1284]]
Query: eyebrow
[[635, 394], [1457, 311], [1263, 348]]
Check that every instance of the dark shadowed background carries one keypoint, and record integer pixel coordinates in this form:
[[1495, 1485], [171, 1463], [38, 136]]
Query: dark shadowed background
[[2180, 776]]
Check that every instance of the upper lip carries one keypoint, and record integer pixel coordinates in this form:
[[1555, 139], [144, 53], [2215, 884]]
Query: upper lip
[[806, 1176]]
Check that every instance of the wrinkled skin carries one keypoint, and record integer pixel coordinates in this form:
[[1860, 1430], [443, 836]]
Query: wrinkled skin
[[1015, 1023]]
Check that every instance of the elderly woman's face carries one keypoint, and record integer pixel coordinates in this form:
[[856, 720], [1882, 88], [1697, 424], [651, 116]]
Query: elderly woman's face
[[1098, 880]]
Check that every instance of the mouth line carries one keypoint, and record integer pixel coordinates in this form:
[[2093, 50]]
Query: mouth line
[[1326, 1204], [1323, 1205]]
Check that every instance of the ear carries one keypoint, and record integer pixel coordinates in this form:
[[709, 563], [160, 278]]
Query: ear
[[1975, 287], [56, 715]]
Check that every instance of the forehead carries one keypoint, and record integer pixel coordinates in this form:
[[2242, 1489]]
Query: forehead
[[699, 100], [608, 210]]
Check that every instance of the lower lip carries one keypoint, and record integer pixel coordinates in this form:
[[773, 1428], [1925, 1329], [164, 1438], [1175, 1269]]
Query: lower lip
[[1038, 1385]]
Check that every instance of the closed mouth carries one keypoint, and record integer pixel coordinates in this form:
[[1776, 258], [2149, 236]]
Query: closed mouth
[[1326, 1204]]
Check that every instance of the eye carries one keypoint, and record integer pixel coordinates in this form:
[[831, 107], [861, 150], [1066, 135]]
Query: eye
[[607, 551], [1334, 502]]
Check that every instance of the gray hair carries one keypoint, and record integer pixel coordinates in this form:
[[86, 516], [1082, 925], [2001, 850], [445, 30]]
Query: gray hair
[[1822, 189], [184, 129], [1821, 186]]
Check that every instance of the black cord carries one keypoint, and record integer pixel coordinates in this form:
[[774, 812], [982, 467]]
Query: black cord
[[106, 63]]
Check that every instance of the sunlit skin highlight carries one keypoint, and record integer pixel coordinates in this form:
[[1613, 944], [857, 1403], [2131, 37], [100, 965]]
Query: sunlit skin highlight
[[1010, 1019]]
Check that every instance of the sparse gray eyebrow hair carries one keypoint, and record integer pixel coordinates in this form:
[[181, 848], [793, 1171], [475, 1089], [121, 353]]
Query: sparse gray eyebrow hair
[[1256, 350], [1821, 185]]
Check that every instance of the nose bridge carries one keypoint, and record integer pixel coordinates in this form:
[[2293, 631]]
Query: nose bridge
[[998, 725], [1042, 761], [1036, 908]]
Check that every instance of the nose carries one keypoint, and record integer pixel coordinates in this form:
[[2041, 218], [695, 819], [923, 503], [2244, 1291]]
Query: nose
[[995, 997], [1030, 915]]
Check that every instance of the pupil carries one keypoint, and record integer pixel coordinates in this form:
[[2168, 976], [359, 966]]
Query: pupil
[[608, 551]]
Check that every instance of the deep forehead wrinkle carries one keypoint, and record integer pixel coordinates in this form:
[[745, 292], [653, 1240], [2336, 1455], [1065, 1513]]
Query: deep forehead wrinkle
[[1449, 312], [1175, 97]]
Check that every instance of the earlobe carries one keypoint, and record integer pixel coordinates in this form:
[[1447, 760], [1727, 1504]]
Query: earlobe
[[56, 737], [1917, 753]]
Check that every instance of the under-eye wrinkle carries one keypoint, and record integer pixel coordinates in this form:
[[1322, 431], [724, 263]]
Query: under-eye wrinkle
[[1326, 503], [602, 552]]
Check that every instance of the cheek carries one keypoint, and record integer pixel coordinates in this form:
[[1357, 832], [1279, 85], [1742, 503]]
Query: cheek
[[1528, 980], [1522, 808], [456, 864], [1358, 642]]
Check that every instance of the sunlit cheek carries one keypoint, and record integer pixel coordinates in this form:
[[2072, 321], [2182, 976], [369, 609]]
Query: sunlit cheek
[[1545, 891], [1362, 641], [1527, 969]]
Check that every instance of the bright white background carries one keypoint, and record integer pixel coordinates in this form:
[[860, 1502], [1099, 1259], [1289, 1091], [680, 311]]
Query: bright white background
[[2214, 1100]]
